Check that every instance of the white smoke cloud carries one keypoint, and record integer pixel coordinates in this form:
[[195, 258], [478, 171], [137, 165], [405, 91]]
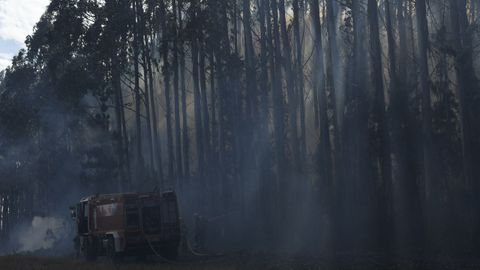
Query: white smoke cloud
[[44, 233]]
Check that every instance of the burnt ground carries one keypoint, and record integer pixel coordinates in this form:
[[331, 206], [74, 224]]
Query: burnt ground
[[237, 261]]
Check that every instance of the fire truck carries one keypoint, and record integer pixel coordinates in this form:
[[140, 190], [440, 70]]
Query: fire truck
[[136, 224]]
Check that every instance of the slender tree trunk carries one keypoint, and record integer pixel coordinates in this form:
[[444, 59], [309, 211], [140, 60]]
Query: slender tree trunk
[[422, 39], [325, 148], [156, 138], [197, 101], [292, 100], [126, 141], [146, 87], [297, 15], [204, 106], [235, 25], [279, 197], [463, 68], [148, 83], [381, 135], [264, 157], [251, 81], [263, 89], [335, 77], [228, 109], [213, 102], [176, 90], [335, 86], [277, 93], [318, 77], [185, 138], [405, 173], [252, 121], [149, 98], [166, 80], [138, 122], [116, 86], [356, 187]]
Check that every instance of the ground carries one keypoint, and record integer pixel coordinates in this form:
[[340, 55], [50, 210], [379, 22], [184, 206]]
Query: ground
[[238, 261]]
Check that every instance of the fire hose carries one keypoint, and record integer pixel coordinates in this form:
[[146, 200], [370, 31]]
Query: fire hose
[[156, 253], [187, 244]]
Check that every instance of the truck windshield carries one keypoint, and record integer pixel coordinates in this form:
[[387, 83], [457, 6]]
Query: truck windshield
[[151, 219]]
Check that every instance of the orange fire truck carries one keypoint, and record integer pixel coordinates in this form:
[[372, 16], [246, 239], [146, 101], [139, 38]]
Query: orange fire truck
[[116, 225]]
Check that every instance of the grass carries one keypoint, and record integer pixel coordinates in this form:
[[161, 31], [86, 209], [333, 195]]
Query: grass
[[239, 261], [51, 263]]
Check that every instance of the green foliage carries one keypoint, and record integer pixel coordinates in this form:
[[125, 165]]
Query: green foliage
[[18, 112], [54, 97]]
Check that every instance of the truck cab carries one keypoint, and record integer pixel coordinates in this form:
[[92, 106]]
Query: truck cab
[[116, 225]]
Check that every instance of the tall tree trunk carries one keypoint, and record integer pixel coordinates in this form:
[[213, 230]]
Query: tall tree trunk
[[157, 141], [166, 80], [185, 138], [138, 122], [422, 39], [251, 120], [197, 100], [126, 141], [277, 93], [292, 100], [297, 15], [324, 146], [264, 157], [336, 88], [335, 76], [213, 102], [251, 81], [263, 88], [402, 141], [176, 94], [465, 80], [229, 108], [117, 89], [204, 106], [356, 186], [147, 83], [279, 197], [381, 134]]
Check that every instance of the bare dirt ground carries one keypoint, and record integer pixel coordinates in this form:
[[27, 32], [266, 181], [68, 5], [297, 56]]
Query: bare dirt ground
[[238, 261]]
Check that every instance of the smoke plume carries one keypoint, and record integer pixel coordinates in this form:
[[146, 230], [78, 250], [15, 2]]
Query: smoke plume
[[44, 233]]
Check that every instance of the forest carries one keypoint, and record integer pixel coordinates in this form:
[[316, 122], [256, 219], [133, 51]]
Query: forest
[[323, 127]]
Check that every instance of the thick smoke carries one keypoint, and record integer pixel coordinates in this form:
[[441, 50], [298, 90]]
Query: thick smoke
[[50, 235], [43, 233]]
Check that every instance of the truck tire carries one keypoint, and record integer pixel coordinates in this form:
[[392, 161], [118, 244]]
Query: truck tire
[[90, 249], [111, 254], [76, 246]]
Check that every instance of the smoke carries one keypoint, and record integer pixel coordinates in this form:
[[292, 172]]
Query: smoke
[[44, 233]]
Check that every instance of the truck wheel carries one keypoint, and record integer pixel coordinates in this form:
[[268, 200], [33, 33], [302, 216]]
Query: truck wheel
[[112, 255], [76, 245], [90, 251]]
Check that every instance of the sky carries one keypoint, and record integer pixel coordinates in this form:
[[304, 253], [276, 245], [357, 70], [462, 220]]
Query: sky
[[17, 19]]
